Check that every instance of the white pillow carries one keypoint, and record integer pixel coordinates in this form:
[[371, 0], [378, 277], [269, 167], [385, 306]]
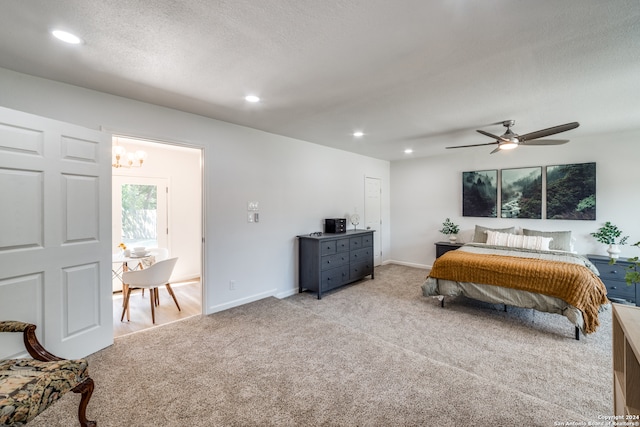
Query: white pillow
[[538, 243]]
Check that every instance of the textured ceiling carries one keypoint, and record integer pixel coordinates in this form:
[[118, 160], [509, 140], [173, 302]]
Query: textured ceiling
[[409, 73]]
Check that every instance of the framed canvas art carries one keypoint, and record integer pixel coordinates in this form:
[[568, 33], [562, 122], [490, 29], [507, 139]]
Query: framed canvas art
[[571, 191], [521, 193], [480, 193]]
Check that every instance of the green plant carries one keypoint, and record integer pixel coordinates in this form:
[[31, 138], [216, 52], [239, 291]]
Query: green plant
[[448, 227], [608, 234], [632, 275]]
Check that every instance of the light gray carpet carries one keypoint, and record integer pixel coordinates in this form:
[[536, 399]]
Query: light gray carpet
[[375, 353]]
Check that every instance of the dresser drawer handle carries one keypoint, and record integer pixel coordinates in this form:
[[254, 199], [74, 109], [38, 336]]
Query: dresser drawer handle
[[614, 287]]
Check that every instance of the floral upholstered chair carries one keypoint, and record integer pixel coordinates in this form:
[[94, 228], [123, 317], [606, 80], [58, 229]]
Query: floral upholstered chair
[[29, 386]]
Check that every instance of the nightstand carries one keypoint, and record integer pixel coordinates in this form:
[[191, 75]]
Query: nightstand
[[612, 275], [444, 247]]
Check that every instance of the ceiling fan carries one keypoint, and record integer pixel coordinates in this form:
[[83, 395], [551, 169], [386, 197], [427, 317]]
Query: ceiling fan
[[510, 140]]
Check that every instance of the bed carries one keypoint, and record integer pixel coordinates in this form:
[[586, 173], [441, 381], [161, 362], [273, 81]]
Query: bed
[[538, 277]]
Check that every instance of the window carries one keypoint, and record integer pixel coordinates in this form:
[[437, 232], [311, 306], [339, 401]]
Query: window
[[140, 212]]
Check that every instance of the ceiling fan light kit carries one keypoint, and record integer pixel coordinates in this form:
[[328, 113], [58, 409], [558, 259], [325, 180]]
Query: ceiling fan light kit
[[507, 145], [510, 140]]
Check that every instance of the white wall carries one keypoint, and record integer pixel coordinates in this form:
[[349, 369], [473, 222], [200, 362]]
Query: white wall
[[426, 191], [181, 167], [296, 183]]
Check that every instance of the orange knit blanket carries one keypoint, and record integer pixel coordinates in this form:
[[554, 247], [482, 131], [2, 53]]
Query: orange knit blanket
[[575, 284]]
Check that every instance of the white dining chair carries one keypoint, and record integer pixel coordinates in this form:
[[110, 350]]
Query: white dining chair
[[151, 278], [157, 254]]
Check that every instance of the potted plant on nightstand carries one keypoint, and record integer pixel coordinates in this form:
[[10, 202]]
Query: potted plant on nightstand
[[450, 229], [609, 234]]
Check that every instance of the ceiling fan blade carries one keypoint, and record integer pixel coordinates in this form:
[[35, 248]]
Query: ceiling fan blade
[[545, 142], [473, 145], [496, 150], [490, 135], [550, 131]]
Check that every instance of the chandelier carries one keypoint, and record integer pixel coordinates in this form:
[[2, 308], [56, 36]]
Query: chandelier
[[127, 159]]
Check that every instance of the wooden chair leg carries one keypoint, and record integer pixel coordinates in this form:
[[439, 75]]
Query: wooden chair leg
[[152, 301], [173, 296], [85, 389], [125, 308], [125, 267], [128, 303]]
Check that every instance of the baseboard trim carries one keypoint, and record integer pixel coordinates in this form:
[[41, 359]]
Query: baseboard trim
[[287, 293], [238, 302], [189, 278], [408, 264]]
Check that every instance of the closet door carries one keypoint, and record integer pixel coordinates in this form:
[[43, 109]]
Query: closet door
[[55, 233], [373, 214]]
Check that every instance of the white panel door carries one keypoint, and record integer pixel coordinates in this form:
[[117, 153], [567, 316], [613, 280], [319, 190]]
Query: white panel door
[[373, 214], [55, 233]]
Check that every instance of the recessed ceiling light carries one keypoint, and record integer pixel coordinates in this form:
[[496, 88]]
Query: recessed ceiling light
[[358, 134], [408, 151], [252, 98], [66, 37]]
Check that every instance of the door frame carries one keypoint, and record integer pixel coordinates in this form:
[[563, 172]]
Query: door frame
[[203, 201]]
